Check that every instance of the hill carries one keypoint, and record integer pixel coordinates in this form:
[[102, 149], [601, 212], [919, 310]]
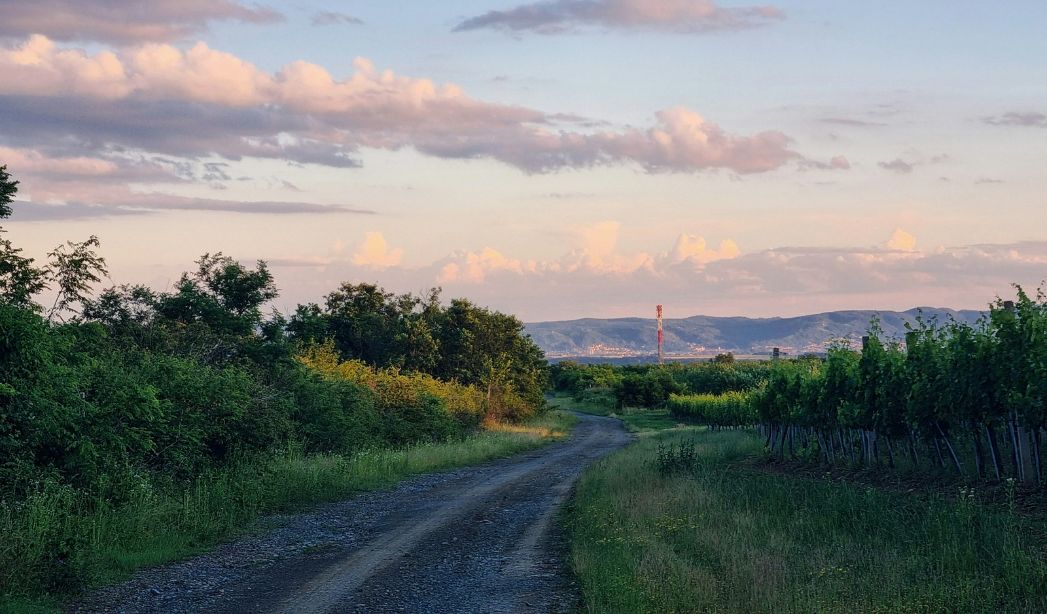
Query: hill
[[701, 335]]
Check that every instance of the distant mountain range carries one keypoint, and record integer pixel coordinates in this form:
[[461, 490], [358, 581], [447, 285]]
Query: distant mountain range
[[705, 335]]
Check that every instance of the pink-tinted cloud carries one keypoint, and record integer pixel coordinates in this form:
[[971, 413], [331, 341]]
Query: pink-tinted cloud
[[34, 162], [693, 249], [683, 16], [199, 102], [375, 252], [596, 279], [122, 21], [81, 187], [474, 267]]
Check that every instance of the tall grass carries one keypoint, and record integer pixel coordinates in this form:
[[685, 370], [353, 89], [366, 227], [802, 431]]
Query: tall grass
[[724, 538], [58, 540]]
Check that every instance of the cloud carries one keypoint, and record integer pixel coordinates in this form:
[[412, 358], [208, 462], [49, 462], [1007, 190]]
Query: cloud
[[595, 253], [913, 159], [836, 163], [901, 241], [598, 243], [331, 18], [898, 166], [375, 252], [62, 187], [121, 21], [1018, 118], [473, 267], [693, 249], [34, 162], [202, 102], [596, 279], [140, 204], [848, 121], [35, 212], [680, 16]]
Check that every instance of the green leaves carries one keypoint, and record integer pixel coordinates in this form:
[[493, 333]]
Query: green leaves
[[74, 268], [8, 189]]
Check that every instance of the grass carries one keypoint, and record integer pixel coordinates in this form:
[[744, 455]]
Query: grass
[[58, 541], [726, 537]]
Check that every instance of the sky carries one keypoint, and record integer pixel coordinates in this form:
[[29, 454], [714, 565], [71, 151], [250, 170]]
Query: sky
[[556, 160]]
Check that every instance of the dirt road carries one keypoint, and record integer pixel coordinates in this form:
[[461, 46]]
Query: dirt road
[[479, 539]]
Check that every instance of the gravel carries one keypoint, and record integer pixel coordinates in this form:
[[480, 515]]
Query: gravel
[[478, 539]]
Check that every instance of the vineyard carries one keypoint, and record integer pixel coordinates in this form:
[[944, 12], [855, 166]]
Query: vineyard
[[967, 398], [826, 483]]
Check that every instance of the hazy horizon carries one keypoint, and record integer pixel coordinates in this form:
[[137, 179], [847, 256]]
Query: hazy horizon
[[668, 318]]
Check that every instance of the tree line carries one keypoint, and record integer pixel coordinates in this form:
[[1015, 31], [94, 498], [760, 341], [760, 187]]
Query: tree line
[[653, 385], [133, 385]]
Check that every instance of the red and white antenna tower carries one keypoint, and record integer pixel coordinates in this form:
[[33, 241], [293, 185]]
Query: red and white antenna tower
[[661, 336]]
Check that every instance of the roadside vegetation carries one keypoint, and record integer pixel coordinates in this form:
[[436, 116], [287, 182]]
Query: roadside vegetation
[[900, 477], [655, 528], [108, 540], [139, 425]]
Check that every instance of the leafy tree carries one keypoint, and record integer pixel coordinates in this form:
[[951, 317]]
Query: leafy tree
[[309, 324], [74, 267], [20, 280], [221, 294], [8, 189]]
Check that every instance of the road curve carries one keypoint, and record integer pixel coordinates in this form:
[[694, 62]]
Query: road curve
[[478, 539]]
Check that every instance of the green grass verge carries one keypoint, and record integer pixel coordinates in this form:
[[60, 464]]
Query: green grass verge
[[100, 543], [727, 537]]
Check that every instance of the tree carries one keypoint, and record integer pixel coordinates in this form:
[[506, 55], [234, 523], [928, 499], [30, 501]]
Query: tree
[[222, 294], [309, 325], [8, 189], [74, 267], [365, 322], [20, 280]]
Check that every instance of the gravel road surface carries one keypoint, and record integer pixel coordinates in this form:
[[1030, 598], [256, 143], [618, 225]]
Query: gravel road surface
[[478, 539]]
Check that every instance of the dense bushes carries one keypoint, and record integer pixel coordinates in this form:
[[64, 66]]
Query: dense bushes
[[82, 403], [410, 404], [171, 384]]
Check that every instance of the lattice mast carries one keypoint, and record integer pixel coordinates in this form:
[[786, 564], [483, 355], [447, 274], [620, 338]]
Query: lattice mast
[[661, 337]]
